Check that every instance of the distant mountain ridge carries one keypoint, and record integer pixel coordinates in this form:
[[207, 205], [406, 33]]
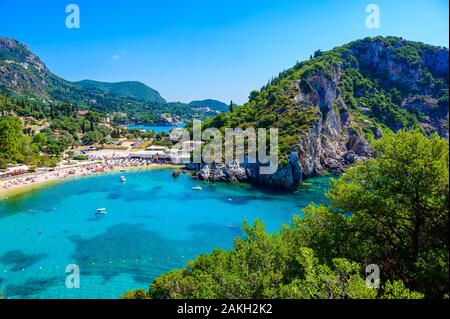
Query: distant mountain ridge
[[212, 104], [24, 75], [133, 89]]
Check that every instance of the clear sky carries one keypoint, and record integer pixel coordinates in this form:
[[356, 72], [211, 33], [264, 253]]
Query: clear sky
[[198, 49]]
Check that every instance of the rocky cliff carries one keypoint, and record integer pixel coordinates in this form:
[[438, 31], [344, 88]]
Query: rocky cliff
[[329, 108], [288, 176], [21, 71]]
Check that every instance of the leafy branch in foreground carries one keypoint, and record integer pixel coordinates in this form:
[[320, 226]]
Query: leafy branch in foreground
[[267, 266]]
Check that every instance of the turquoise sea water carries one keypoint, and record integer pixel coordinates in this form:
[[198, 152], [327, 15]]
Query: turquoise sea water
[[155, 128], [154, 224]]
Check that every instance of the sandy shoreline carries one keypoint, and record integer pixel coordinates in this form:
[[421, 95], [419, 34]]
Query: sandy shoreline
[[27, 182]]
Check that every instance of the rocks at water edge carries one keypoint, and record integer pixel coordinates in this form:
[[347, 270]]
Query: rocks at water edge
[[287, 176], [176, 173]]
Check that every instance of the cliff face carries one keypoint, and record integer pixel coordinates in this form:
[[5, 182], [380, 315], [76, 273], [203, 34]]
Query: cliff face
[[334, 140], [332, 143], [329, 108], [21, 71]]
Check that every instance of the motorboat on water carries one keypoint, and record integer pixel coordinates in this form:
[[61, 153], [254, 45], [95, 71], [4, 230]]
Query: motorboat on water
[[100, 212], [123, 179], [197, 188]]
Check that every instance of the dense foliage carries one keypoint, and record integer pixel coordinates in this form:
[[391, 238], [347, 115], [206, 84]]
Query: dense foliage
[[37, 133], [15, 147], [391, 211], [133, 89], [136, 109], [399, 203]]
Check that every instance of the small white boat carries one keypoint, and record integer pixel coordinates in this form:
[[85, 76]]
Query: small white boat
[[123, 179], [197, 188], [100, 212]]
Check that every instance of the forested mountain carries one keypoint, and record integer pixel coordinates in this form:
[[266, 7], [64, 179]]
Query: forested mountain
[[23, 76], [330, 107], [133, 89]]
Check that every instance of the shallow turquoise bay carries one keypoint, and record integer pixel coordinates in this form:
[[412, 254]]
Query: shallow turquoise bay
[[155, 128], [154, 224]]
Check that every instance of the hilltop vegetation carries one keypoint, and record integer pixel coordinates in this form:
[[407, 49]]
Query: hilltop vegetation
[[133, 89], [391, 210], [380, 82]]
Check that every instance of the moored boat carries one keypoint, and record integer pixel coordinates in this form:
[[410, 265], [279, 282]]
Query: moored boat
[[100, 212]]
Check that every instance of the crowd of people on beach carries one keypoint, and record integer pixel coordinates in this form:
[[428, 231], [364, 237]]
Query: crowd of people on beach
[[97, 165], [113, 162], [51, 174]]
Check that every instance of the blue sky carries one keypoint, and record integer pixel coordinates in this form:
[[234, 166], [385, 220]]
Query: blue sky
[[196, 49]]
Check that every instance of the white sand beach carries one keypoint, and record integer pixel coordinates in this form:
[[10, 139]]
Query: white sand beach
[[26, 181]]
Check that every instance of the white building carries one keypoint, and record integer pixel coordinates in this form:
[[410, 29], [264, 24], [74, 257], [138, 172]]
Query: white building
[[157, 150], [141, 155]]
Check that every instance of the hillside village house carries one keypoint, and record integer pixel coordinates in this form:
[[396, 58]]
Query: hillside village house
[[83, 112]]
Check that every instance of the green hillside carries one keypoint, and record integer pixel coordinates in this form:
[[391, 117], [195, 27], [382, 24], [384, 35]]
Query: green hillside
[[364, 85], [24, 77], [133, 89]]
